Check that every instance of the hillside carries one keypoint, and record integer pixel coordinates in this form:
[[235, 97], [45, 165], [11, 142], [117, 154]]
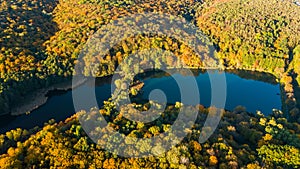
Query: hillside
[[257, 35], [40, 41]]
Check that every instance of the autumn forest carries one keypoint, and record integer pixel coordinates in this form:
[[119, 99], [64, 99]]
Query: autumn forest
[[40, 44]]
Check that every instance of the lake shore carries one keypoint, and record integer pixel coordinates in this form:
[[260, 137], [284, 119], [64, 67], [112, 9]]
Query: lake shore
[[38, 98]]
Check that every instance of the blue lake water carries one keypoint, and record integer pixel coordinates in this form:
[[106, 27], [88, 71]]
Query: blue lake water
[[254, 95], [255, 91]]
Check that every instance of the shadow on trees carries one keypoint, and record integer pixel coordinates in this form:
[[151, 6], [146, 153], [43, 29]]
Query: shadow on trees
[[24, 27]]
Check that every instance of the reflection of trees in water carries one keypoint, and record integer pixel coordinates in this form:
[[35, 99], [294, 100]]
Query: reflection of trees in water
[[159, 73], [99, 81], [254, 75], [245, 74]]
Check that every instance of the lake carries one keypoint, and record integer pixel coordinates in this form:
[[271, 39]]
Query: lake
[[253, 90]]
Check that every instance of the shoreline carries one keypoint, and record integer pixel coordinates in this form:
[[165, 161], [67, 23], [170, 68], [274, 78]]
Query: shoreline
[[39, 98]]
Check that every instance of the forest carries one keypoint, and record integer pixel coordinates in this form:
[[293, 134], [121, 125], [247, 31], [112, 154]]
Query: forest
[[48, 57], [242, 140], [40, 41]]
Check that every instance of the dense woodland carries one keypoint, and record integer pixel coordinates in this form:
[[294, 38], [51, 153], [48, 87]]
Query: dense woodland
[[256, 35], [40, 41], [241, 140], [253, 34]]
